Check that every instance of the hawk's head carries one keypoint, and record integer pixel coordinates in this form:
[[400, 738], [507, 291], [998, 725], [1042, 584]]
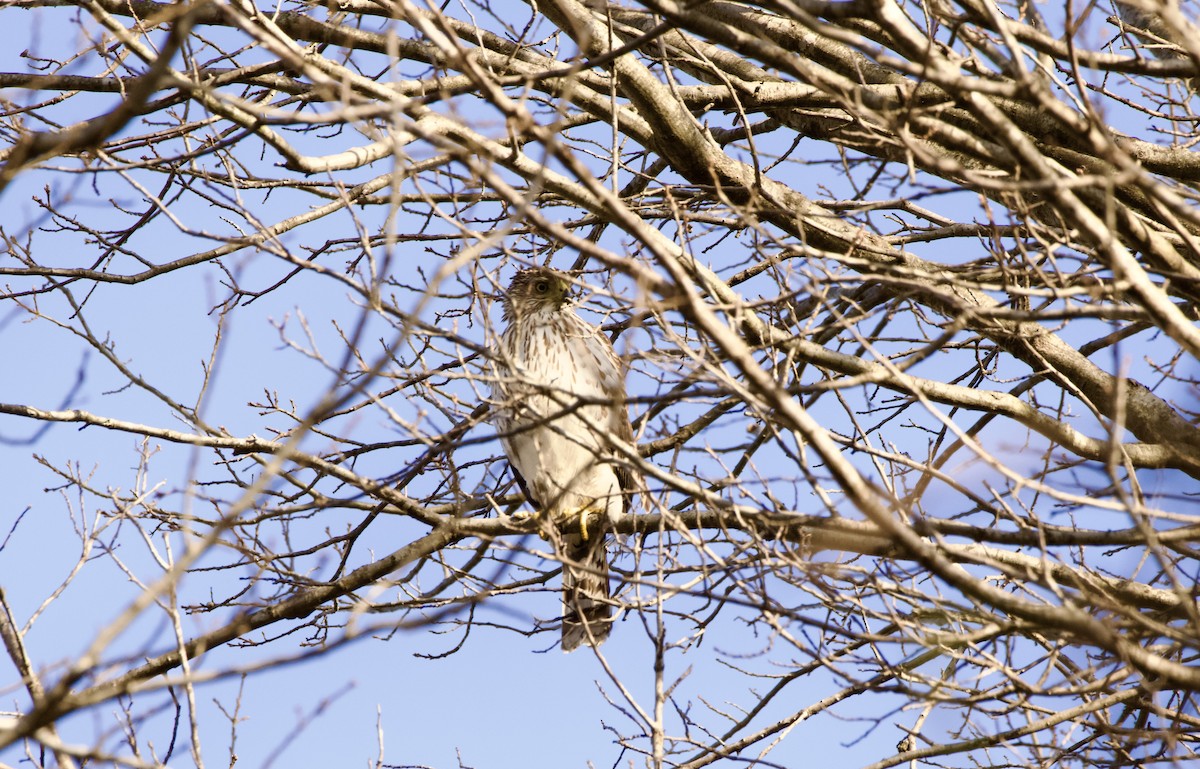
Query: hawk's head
[[538, 288]]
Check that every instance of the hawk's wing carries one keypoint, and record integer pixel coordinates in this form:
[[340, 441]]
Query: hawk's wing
[[520, 479], [505, 427], [619, 425]]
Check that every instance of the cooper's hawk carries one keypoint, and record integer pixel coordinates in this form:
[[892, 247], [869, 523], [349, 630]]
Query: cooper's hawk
[[560, 404]]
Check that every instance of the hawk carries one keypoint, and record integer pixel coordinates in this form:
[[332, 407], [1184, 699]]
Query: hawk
[[560, 404]]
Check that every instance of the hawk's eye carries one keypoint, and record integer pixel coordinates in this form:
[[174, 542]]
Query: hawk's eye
[[542, 286]]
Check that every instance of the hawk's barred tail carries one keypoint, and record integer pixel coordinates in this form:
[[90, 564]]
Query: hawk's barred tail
[[587, 614]]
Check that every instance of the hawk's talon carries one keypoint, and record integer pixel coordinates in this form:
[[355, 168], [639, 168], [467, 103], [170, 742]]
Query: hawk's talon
[[583, 525], [527, 521]]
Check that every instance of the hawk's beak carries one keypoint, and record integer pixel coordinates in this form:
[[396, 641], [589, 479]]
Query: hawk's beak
[[569, 291]]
